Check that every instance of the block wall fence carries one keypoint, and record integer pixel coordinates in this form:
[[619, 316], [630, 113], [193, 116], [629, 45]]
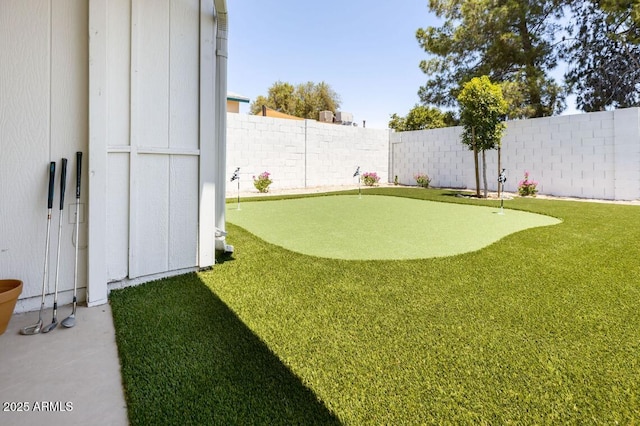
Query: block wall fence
[[302, 153], [594, 155]]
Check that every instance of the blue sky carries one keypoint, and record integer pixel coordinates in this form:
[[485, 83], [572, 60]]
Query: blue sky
[[366, 51]]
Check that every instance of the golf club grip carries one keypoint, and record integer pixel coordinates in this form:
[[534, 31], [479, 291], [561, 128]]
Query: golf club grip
[[63, 182], [52, 177], [78, 170]]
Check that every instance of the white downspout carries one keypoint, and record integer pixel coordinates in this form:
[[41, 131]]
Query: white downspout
[[221, 124]]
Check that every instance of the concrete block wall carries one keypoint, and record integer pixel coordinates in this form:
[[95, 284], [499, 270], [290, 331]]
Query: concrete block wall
[[432, 152], [302, 153], [334, 152], [257, 144], [593, 155], [568, 155], [626, 153]]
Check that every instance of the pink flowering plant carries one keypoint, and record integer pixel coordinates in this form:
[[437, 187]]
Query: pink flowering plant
[[370, 178], [262, 182], [422, 179], [527, 186]]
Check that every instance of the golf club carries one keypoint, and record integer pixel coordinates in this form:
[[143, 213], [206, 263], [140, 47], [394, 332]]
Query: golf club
[[70, 321], [35, 329], [63, 179]]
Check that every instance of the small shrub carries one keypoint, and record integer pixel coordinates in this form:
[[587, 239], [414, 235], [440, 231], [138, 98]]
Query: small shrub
[[422, 179], [262, 182], [527, 187], [395, 180], [370, 178]]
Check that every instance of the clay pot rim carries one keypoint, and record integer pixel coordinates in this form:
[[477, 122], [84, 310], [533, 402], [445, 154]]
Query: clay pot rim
[[10, 289]]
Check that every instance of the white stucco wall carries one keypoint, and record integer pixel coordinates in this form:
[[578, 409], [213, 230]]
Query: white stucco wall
[[43, 117]]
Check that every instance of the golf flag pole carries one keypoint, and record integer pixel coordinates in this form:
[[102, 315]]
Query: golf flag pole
[[357, 173], [502, 178], [236, 176]]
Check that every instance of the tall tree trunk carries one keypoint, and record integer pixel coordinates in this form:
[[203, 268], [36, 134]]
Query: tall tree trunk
[[484, 171], [531, 71], [475, 160]]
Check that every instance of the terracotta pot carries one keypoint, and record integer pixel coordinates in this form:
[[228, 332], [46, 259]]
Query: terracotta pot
[[9, 292]]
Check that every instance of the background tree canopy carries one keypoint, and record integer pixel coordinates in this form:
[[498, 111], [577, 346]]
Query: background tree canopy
[[507, 40], [519, 43], [422, 117], [603, 55], [303, 100]]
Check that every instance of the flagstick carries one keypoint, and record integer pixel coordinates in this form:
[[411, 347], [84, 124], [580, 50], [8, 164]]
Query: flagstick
[[236, 176], [502, 178], [357, 173], [238, 193]]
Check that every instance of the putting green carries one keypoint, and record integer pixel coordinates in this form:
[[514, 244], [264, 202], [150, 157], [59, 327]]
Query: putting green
[[379, 227]]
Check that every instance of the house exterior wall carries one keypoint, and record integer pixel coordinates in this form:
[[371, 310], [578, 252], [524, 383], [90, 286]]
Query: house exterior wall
[[133, 85], [233, 106], [43, 117]]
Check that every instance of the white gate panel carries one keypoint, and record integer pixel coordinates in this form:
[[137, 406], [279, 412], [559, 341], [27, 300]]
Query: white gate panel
[[153, 69], [118, 66], [184, 64], [150, 67], [149, 252], [183, 212], [117, 216]]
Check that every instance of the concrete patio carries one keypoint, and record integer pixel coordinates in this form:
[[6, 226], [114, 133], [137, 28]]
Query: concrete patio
[[69, 376]]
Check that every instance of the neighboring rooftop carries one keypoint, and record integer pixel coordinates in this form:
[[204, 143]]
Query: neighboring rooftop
[[232, 96], [234, 100]]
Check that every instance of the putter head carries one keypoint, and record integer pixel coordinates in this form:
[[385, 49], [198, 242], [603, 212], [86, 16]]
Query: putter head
[[32, 329], [50, 327]]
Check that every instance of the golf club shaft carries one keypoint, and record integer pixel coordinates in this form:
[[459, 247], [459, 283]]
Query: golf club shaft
[[46, 266], [75, 268], [63, 184], [33, 329], [45, 276]]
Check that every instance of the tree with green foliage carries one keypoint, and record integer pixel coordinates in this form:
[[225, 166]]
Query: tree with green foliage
[[603, 59], [280, 96], [507, 40], [303, 100], [482, 108], [422, 117], [625, 14]]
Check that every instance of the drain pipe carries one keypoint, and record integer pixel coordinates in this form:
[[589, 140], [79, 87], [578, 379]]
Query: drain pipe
[[221, 123]]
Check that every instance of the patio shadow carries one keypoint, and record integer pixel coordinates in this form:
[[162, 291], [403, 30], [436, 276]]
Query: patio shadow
[[188, 359]]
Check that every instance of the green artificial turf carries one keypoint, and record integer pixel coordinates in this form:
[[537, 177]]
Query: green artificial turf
[[541, 328], [379, 227]]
